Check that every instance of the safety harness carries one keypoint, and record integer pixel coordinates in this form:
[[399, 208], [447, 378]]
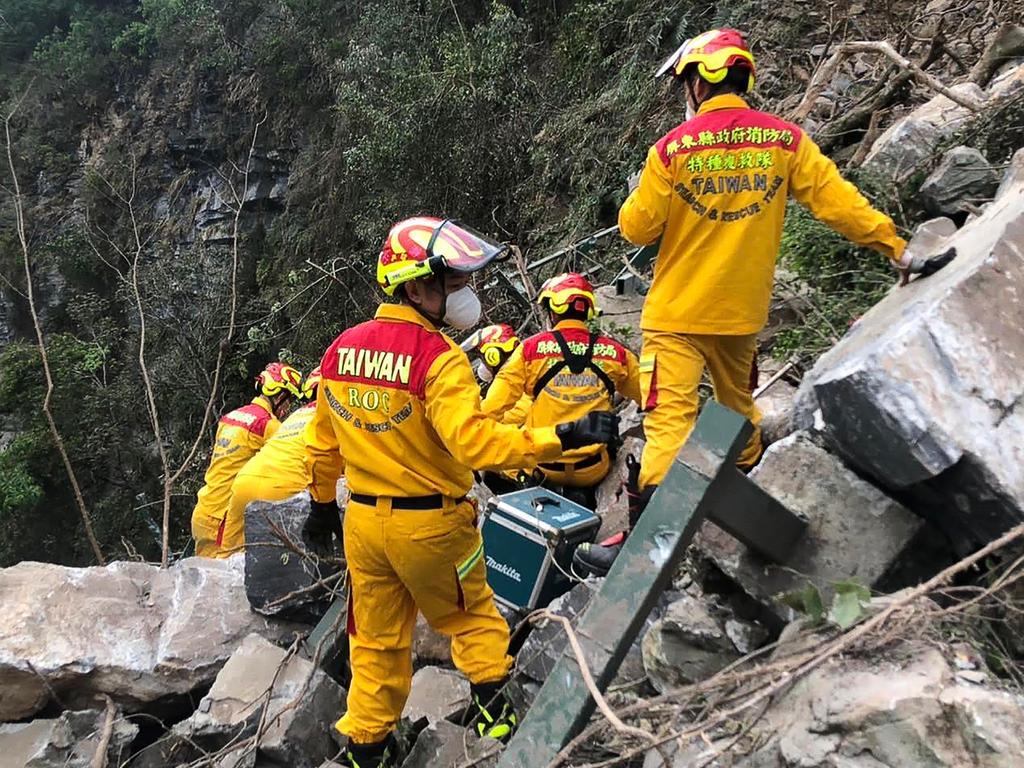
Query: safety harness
[[576, 365]]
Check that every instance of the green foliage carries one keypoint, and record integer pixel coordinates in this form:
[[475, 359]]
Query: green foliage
[[849, 601], [838, 280]]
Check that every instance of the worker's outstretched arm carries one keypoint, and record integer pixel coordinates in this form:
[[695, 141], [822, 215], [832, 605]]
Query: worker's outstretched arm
[[629, 383], [474, 438], [816, 183], [642, 217], [508, 386], [324, 462]]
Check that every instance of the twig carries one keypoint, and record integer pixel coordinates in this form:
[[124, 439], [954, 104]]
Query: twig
[[19, 211], [588, 680], [99, 760]]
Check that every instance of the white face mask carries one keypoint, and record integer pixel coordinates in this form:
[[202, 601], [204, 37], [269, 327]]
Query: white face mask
[[462, 309], [483, 372]]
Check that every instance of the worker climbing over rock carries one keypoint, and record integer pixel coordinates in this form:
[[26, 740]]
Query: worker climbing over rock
[[399, 402], [714, 191], [240, 434], [569, 371], [276, 472]]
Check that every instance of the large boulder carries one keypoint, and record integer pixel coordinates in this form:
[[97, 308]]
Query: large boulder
[[908, 708], [133, 631], [620, 316], [910, 142], [855, 532], [963, 179], [69, 741], [262, 684], [278, 580], [688, 643], [446, 745], [924, 393]]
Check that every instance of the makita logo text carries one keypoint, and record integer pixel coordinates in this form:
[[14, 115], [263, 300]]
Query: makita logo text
[[506, 570]]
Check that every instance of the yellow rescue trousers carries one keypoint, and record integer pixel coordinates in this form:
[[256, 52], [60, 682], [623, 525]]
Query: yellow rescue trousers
[[247, 488], [400, 561], [671, 365]]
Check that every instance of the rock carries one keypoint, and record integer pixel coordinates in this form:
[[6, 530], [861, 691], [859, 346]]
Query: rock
[[134, 631], [688, 643], [69, 741], [911, 140], [612, 503], [429, 645], [901, 713], [631, 421], [620, 316], [924, 393], [446, 745], [279, 582], [854, 532], [963, 176], [1013, 176], [437, 694], [297, 703], [776, 407]]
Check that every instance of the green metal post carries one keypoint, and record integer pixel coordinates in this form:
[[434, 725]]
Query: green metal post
[[642, 571]]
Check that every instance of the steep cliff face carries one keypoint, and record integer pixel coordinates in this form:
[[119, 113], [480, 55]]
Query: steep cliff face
[[187, 157]]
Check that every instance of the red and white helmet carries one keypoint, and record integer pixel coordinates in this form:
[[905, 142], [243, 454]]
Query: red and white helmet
[[712, 53], [495, 339], [426, 245], [569, 290], [277, 378]]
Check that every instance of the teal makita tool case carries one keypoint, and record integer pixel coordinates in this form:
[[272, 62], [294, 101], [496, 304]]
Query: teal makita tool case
[[529, 537]]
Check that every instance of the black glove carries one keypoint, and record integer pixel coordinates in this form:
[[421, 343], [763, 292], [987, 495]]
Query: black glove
[[595, 427], [322, 525]]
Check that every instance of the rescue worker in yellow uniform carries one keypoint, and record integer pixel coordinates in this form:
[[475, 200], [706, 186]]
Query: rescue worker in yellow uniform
[[399, 402], [569, 371], [277, 471], [495, 344], [714, 191], [240, 434]]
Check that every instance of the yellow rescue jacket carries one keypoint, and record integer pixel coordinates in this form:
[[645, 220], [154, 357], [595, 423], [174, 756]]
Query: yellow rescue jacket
[[714, 190], [398, 400], [517, 413], [568, 395], [240, 434], [283, 457]]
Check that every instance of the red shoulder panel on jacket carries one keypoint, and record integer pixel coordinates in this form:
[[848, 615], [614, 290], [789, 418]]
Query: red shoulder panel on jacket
[[383, 353], [250, 417], [729, 130]]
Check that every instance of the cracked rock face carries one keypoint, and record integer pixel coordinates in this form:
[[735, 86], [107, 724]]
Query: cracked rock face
[[69, 741], [130, 630], [924, 394]]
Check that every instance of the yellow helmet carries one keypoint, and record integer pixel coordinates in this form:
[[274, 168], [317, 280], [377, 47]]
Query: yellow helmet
[[568, 290], [495, 339], [713, 53], [277, 378], [426, 245], [309, 386]]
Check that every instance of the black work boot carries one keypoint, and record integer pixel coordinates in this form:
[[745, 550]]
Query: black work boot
[[379, 754], [596, 559], [491, 711]]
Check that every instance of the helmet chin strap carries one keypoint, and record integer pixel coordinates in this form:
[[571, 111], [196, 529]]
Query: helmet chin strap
[[439, 320], [688, 83]]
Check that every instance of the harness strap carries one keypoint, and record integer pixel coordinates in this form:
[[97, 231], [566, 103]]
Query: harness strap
[[576, 365]]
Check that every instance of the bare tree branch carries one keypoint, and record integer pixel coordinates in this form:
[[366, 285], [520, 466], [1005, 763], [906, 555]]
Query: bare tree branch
[[19, 210]]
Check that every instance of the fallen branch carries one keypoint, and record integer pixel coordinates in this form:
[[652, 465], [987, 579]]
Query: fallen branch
[[19, 212], [824, 76], [99, 759]]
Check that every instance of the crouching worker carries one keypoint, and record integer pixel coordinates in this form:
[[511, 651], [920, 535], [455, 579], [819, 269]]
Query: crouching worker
[[276, 472], [240, 434], [495, 344], [399, 402], [569, 371]]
